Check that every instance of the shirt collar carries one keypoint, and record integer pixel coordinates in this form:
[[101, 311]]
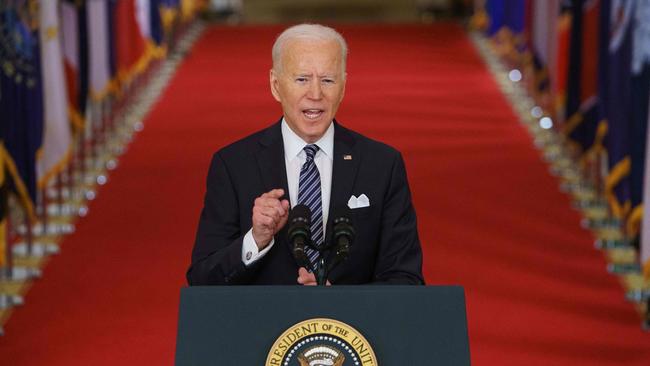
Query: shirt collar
[[293, 144]]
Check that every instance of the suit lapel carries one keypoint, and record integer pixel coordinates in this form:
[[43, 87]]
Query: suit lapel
[[346, 159], [270, 160]]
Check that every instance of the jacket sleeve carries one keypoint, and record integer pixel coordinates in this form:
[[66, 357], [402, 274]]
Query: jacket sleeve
[[216, 257], [399, 260]]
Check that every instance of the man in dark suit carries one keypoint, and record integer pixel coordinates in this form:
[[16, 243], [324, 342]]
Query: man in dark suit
[[306, 158]]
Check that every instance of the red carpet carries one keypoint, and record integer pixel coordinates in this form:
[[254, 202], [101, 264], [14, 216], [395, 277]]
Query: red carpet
[[490, 216]]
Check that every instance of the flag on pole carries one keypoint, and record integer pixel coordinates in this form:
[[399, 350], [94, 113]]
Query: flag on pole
[[640, 84], [544, 49], [560, 74], [130, 45], [513, 40], [515, 15], [602, 81], [112, 41], [57, 138], [189, 8], [496, 14], [157, 30], [75, 43], [101, 82], [169, 10], [21, 99], [4, 196], [145, 20], [582, 120], [506, 24], [143, 16], [575, 59], [645, 233], [618, 106]]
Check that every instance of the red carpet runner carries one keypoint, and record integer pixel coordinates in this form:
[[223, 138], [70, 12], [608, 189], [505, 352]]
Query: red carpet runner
[[491, 218]]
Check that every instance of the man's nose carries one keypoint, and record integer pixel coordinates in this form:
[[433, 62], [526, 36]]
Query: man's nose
[[315, 91]]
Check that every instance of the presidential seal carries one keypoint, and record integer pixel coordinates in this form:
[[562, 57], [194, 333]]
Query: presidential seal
[[321, 342]]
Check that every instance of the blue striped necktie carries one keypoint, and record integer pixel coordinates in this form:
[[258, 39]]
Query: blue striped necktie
[[310, 196]]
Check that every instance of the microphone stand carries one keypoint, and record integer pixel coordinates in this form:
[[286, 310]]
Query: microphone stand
[[341, 241], [324, 266], [321, 270]]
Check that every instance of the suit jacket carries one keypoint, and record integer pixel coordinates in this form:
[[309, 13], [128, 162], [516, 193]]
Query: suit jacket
[[386, 249]]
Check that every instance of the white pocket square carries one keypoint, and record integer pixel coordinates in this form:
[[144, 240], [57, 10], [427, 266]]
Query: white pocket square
[[358, 202]]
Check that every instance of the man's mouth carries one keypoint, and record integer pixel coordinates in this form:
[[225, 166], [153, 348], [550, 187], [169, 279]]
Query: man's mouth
[[312, 113]]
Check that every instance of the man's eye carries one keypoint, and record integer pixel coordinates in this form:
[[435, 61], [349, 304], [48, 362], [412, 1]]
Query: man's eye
[[328, 81], [301, 80]]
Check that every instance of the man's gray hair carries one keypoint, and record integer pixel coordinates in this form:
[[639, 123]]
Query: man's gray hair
[[307, 31]]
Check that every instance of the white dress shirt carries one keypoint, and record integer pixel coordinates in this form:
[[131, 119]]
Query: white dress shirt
[[294, 158]]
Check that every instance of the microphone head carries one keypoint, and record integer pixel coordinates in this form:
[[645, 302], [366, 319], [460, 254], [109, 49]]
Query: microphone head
[[299, 223], [343, 223], [342, 232], [341, 214], [299, 232], [300, 213]]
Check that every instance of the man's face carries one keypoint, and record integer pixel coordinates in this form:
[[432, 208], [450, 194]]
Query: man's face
[[310, 85]]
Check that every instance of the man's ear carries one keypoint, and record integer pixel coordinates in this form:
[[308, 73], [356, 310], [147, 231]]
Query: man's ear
[[273, 81]]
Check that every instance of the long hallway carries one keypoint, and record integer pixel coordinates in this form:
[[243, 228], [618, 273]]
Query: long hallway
[[491, 218]]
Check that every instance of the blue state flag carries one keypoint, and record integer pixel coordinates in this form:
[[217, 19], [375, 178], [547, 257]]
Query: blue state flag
[[575, 61], [157, 30], [515, 15], [495, 10], [640, 84], [21, 98], [510, 14], [617, 105]]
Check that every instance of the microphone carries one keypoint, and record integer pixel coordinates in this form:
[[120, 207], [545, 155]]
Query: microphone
[[299, 232], [343, 232]]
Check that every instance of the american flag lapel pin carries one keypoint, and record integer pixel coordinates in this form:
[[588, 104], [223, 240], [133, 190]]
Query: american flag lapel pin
[[347, 157]]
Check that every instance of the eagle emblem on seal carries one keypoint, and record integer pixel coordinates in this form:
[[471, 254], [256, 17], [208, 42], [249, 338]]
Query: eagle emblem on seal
[[321, 355]]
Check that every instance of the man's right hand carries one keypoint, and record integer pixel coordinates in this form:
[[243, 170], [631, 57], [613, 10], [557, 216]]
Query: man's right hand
[[269, 216]]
